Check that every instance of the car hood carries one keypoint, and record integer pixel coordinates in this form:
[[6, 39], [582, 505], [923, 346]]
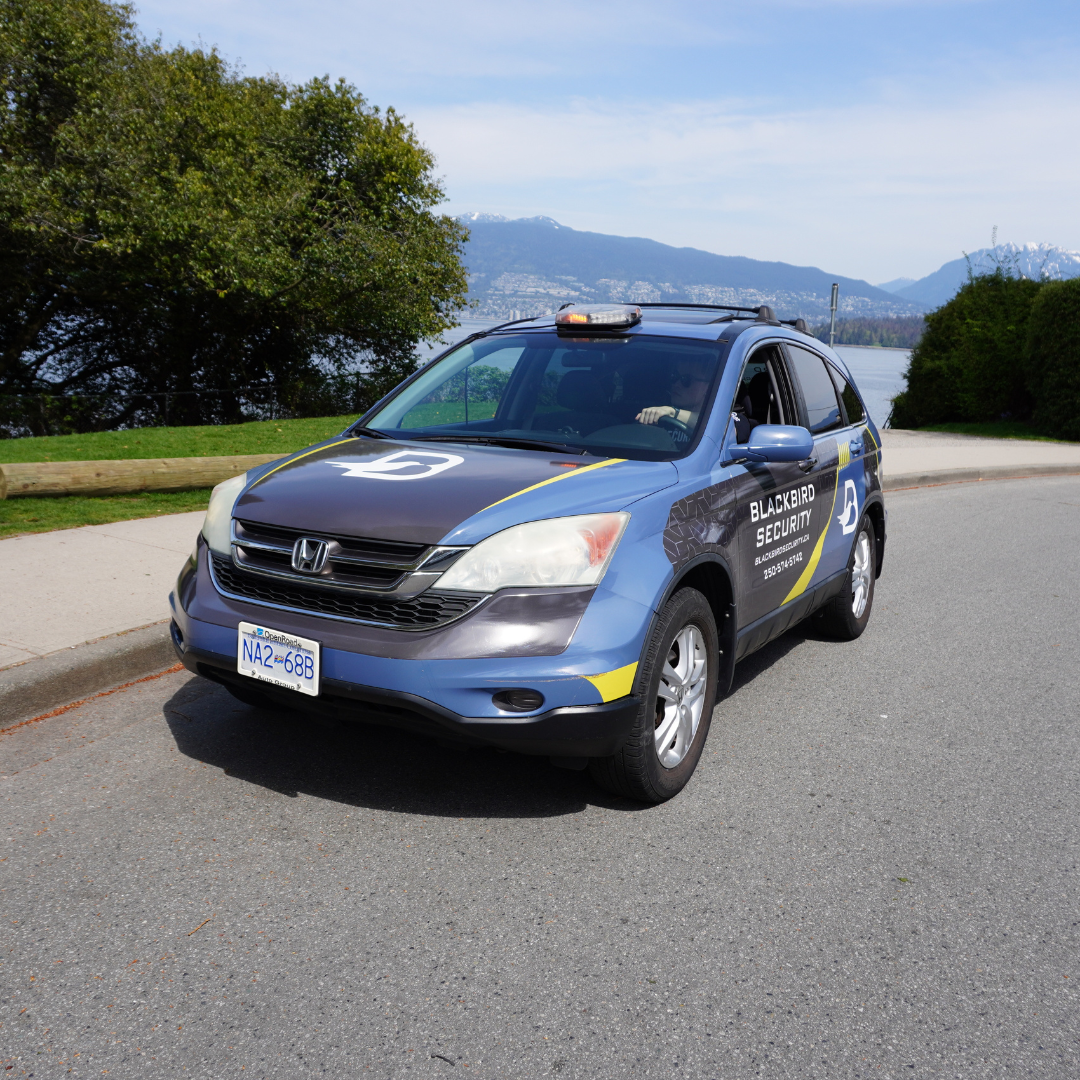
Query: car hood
[[427, 493]]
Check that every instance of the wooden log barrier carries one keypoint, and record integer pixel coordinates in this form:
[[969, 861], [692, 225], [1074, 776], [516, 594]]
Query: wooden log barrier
[[38, 478]]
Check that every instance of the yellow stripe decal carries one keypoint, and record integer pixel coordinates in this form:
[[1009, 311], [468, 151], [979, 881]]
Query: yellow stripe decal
[[289, 461], [555, 479], [804, 578], [614, 684]]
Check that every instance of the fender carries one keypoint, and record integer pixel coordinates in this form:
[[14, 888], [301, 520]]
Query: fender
[[726, 619], [876, 501]]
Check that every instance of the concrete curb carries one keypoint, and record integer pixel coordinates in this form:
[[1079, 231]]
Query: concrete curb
[[37, 686], [965, 476]]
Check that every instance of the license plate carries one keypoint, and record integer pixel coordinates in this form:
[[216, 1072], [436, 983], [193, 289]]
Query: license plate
[[277, 657]]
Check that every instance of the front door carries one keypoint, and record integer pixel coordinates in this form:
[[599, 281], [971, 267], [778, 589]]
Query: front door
[[778, 503]]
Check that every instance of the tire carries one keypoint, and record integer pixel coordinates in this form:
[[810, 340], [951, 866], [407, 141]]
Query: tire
[[845, 617], [652, 767]]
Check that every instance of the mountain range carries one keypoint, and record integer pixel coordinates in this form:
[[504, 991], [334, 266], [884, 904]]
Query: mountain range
[[529, 266], [1027, 260]]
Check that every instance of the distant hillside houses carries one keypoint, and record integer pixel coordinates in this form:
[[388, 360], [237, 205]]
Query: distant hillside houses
[[530, 266]]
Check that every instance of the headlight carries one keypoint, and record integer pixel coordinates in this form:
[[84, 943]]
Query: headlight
[[217, 524], [556, 551]]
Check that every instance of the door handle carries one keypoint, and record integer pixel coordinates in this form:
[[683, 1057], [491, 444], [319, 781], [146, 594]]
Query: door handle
[[807, 463]]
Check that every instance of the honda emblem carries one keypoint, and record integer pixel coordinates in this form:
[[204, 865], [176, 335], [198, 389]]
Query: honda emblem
[[309, 556]]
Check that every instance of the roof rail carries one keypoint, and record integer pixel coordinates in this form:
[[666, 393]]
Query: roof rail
[[763, 313], [699, 307], [514, 322]]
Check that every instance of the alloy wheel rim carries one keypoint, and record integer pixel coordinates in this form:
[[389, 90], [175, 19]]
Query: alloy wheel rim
[[680, 697], [860, 576]]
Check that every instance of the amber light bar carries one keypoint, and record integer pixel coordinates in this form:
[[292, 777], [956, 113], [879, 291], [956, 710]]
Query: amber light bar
[[606, 316]]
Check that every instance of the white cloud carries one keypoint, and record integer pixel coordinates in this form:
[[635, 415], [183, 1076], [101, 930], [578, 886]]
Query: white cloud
[[873, 190]]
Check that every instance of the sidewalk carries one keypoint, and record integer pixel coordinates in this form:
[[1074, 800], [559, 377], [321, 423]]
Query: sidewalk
[[68, 587], [926, 457], [82, 609]]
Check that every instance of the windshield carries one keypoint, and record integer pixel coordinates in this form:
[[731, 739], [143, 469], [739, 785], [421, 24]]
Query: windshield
[[636, 396]]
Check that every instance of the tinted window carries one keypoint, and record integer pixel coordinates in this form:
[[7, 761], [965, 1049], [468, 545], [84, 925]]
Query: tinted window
[[635, 396], [852, 404], [819, 394]]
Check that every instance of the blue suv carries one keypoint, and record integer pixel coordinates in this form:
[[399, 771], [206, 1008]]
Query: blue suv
[[557, 538]]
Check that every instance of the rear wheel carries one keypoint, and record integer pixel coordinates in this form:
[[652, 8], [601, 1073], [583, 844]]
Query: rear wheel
[[846, 616], [678, 684]]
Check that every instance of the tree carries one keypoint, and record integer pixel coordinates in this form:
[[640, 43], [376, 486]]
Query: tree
[[1053, 358], [969, 364], [167, 226], [898, 332]]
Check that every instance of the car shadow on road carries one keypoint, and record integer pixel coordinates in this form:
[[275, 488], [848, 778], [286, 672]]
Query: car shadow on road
[[371, 766]]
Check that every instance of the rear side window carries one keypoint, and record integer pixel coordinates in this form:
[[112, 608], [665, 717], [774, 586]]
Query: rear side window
[[819, 394], [852, 404]]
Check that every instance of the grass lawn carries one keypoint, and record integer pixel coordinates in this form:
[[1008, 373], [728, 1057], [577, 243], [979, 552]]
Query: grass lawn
[[992, 429], [69, 511], [258, 437]]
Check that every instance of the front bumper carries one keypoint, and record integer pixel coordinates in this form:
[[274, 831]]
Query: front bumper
[[568, 732], [409, 680]]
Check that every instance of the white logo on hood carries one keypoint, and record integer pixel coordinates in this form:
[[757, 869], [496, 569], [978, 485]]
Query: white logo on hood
[[849, 518], [420, 463]]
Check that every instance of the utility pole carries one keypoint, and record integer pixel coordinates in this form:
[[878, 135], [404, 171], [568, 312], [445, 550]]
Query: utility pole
[[832, 314]]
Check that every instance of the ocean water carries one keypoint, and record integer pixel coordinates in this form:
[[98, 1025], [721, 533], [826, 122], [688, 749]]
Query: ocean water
[[878, 373], [455, 334]]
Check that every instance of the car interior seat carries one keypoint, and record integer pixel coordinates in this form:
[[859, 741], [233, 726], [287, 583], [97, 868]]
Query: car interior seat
[[581, 394], [755, 406]]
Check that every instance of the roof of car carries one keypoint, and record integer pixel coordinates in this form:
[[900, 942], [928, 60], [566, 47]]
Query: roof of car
[[706, 322]]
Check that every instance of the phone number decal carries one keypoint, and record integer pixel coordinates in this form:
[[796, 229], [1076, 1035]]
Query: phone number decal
[[782, 565]]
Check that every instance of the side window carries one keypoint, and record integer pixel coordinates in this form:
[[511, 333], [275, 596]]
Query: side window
[[819, 394], [761, 396], [852, 404]]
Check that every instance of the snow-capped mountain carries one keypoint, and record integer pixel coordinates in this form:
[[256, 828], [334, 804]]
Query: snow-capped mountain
[[1026, 260]]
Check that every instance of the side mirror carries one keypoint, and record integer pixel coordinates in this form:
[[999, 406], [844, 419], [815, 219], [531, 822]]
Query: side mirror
[[779, 442]]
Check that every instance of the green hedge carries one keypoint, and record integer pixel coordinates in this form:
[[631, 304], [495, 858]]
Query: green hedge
[[1053, 358], [969, 365]]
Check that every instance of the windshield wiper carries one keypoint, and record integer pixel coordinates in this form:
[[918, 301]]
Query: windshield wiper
[[370, 432], [513, 441]]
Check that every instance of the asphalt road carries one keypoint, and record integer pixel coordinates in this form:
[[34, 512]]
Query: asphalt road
[[873, 873]]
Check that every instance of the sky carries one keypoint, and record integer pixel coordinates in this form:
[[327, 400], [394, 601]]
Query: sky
[[872, 138]]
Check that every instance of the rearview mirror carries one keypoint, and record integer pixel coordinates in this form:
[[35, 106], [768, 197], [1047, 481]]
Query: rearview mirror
[[779, 442]]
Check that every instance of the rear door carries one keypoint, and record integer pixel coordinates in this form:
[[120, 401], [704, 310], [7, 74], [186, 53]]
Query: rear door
[[823, 415], [777, 516]]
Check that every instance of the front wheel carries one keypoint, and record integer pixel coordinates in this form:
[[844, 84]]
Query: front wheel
[[678, 681], [846, 616]]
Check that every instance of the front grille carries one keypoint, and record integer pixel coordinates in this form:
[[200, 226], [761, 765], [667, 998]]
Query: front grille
[[420, 612], [360, 547], [353, 561]]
